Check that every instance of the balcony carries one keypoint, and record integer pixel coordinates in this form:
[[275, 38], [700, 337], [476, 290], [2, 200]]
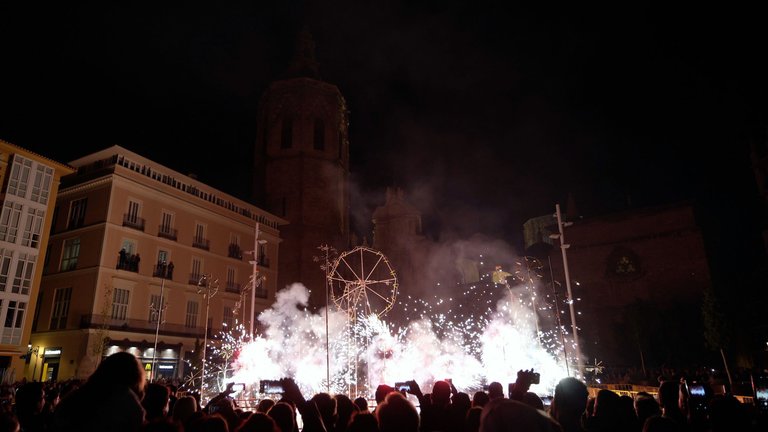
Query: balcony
[[201, 243], [128, 262], [163, 270], [167, 232], [133, 221], [235, 251], [94, 321], [194, 278], [232, 287]]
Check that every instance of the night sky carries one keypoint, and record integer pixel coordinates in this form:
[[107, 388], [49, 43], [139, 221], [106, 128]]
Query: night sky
[[486, 113]]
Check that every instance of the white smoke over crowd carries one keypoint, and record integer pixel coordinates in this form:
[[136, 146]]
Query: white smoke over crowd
[[364, 352]]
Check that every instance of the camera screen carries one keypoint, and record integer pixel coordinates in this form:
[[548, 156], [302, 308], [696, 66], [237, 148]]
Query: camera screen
[[698, 390], [271, 387], [238, 387]]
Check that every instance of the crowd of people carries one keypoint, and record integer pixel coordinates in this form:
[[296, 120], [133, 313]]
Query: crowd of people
[[116, 397]]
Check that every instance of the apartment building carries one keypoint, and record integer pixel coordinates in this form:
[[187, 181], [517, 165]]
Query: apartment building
[[146, 260], [30, 183]]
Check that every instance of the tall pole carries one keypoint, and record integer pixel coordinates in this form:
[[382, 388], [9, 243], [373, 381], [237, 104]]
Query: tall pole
[[557, 315], [563, 247], [327, 310], [208, 287], [255, 274], [159, 309]]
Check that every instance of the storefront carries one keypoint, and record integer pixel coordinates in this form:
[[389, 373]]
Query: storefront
[[163, 363], [51, 360]]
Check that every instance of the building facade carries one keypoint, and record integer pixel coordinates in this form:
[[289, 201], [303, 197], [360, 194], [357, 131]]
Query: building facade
[[30, 183], [131, 245], [302, 168], [638, 281]]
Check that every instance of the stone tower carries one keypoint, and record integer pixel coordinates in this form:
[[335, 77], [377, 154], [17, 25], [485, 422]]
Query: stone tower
[[302, 168]]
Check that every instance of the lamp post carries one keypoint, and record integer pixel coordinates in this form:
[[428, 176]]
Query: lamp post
[[208, 287], [158, 311], [34, 351], [255, 279], [563, 247]]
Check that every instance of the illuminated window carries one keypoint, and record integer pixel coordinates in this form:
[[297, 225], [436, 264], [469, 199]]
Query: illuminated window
[[70, 255]]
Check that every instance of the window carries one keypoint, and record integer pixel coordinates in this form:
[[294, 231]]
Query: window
[[120, 304], [14, 319], [232, 286], [9, 221], [229, 317], [25, 268], [166, 222], [70, 255], [5, 267], [41, 187], [19, 178], [199, 232], [60, 313], [33, 228], [191, 320], [197, 266], [129, 246], [163, 257], [133, 212], [77, 213], [286, 137], [319, 142]]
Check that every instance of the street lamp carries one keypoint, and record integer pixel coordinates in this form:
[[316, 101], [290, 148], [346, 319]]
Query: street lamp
[[158, 310], [255, 279], [34, 351], [208, 287], [563, 247]]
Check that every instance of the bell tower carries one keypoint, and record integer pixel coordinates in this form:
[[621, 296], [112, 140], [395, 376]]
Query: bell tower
[[302, 168]]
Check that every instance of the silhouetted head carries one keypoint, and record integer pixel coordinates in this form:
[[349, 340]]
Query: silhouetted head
[[362, 403], [363, 421], [264, 405], [326, 404], [480, 399], [259, 422], [569, 401], [441, 393], [505, 415], [184, 408], [282, 414], [397, 414], [669, 395], [382, 391], [121, 369], [495, 390], [156, 399], [344, 409]]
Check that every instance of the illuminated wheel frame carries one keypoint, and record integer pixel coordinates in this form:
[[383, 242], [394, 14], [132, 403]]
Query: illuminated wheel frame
[[362, 280]]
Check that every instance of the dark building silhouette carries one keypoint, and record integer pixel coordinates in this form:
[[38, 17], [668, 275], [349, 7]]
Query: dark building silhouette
[[302, 167]]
